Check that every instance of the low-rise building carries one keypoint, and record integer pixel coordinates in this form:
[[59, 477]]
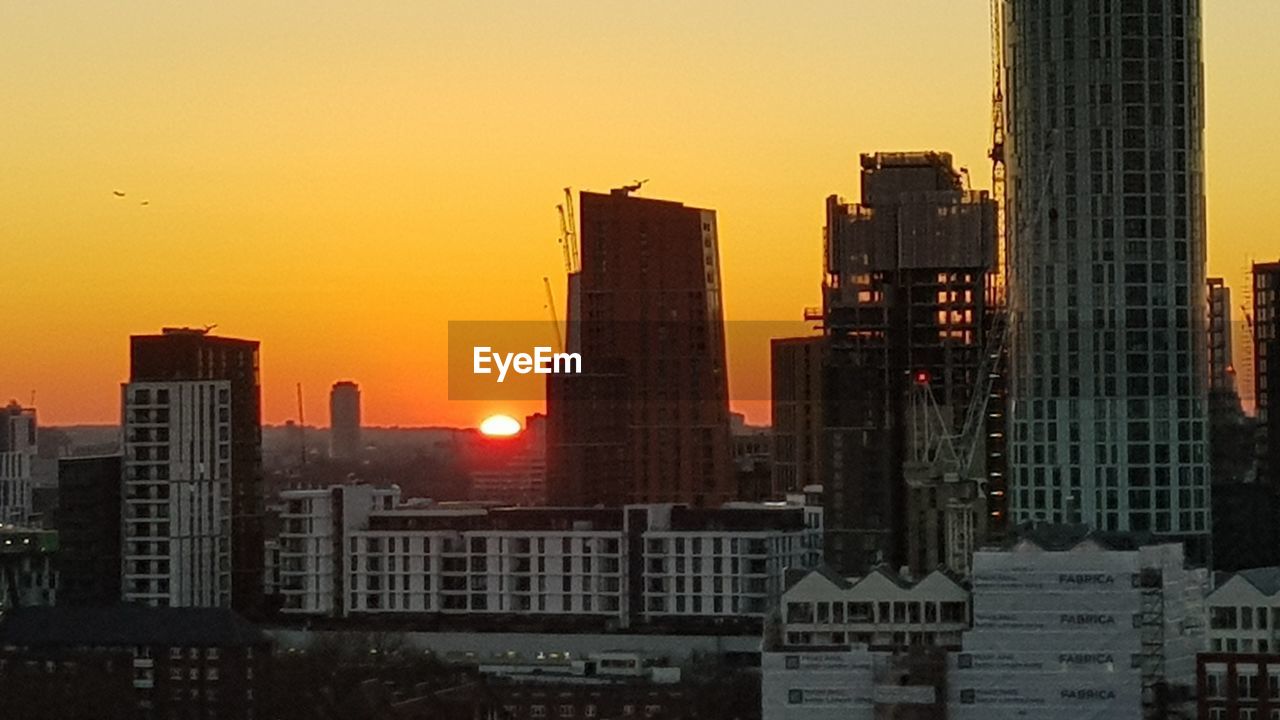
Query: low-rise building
[[153, 662], [1244, 612], [1238, 686], [353, 550]]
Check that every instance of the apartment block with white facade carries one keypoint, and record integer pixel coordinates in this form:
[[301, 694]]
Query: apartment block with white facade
[[354, 550]]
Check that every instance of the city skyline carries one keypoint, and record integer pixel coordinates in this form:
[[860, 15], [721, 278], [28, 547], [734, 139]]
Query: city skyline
[[306, 186]]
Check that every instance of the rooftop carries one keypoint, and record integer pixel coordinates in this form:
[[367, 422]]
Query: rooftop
[[127, 625]]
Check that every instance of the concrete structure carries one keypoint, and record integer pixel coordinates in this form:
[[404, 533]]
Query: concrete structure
[[1068, 623], [1222, 371], [344, 421], [648, 418], [1106, 266], [1266, 356], [192, 521], [906, 295], [28, 577], [88, 524], [796, 392], [1244, 613], [351, 550], [17, 457], [752, 448]]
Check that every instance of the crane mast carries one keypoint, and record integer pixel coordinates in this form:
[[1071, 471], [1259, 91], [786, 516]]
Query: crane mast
[[997, 145]]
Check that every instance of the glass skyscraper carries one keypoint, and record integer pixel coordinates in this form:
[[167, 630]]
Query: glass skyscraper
[[1106, 269]]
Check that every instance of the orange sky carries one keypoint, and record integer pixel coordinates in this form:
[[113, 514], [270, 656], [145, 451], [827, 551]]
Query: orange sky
[[339, 180]]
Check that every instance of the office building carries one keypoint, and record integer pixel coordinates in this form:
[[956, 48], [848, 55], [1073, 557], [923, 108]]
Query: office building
[[1238, 686], [192, 462], [647, 421], [906, 299], [344, 421], [88, 525], [355, 550], [796, 392], [1106, 266], [17, 458], [134, 662], [1266, 356]]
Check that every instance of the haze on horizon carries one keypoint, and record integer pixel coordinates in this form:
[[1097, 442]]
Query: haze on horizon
[[339, 181]]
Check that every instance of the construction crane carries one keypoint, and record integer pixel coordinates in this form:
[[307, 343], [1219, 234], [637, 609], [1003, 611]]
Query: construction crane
[[634, 186], [551, 307], [997, 144], [569, 233]]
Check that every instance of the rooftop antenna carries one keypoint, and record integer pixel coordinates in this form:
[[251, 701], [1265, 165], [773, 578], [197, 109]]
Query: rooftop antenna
[[634, 186]]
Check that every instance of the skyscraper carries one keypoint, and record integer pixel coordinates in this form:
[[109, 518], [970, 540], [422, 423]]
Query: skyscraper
[[648, 420], [905, 297], [796, 407], [1222, 373], [88, 525], [1266, 366], [344, 421], [193, 533], [1106, 257], [17, 454]]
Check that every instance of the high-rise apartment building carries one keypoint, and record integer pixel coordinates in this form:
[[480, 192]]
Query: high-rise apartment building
[[344, 421], [17, 456], [1266, 362], [796, 391], [905, 300], [1106, 273], [193, 533], [648, 418], [88, 525], [1222, 372]]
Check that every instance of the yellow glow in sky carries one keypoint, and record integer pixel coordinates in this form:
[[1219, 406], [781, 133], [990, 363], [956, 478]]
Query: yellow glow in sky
[[338, 180]]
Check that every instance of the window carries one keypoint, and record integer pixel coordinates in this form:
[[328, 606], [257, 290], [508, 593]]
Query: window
[[1247, 687], [566, 711], [1222, 618], [537, 711]]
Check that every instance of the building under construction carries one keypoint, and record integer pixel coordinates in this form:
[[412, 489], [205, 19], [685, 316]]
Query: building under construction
[[907, 301]]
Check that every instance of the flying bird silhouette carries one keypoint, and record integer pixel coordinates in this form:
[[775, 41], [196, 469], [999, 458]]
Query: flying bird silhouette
[[145, 202], [117, 193]]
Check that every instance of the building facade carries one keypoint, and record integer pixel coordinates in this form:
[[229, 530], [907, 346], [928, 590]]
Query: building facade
[[1222, 371], [344, 421], [1106, 266], [353, 550], [648, 418], [28, 577], [796, 412], [88, 524], [906, 296], [1266, 356], [192, 466], [17, 457], [1244, 613]]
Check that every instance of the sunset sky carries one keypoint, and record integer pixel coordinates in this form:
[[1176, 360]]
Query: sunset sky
[[339, 180]]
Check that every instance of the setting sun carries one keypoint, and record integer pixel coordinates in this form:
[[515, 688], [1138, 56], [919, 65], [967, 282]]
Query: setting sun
[[500, 426]]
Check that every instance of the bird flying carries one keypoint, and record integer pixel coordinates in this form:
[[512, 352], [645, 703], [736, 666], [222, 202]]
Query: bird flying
[[117, 193]]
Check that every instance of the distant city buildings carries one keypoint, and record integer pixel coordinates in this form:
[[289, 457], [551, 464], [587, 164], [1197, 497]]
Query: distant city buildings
[[17, 458], [1222, 371], [1106, 267], [521, 477], [358, 551], [89, 524], [648, 419], [192, 472], [905, 300], [344, 421]]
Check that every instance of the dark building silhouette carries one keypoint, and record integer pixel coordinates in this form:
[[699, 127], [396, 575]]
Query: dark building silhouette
[[344, 421], [905, 297], [1266, 366], [193, 533], [796, 414], [132, 662], [648, 419], [88, 524]]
